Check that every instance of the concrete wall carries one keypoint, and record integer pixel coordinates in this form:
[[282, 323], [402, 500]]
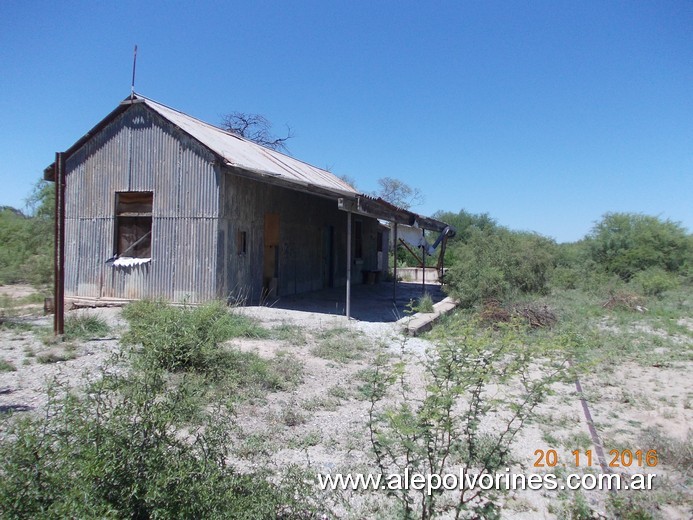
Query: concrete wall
[[305, 222], [140, 151], [414, 274]]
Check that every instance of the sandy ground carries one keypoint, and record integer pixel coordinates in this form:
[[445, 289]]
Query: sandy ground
[[322, 423]]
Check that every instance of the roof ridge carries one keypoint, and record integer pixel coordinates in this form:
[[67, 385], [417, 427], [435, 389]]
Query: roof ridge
[[239, 137], [150, 100], [239, 151]]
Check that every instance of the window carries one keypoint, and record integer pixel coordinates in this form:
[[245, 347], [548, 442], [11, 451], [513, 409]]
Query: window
[[134, 224], [241, 243], [358, 239]]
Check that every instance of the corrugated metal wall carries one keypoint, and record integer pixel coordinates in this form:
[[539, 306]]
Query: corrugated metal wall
[[303, 223], [140, 151], [194, 256]]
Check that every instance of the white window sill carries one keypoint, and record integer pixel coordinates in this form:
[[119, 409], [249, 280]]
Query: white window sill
[[126, 261]]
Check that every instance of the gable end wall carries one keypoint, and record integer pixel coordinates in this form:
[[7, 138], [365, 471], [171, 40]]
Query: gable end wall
[[140, 151]]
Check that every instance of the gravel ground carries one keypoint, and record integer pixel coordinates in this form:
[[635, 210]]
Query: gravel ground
[[311, 427], [39, 361]]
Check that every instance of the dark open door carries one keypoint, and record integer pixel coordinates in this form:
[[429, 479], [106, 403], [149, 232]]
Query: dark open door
[[328, 257], [270, 269]]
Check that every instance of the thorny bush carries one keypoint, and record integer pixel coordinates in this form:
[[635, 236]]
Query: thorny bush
[[481, 387], [184, 338], [133, 445]]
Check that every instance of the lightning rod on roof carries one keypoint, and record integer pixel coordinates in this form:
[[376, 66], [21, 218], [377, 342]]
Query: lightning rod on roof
[[134, 66]]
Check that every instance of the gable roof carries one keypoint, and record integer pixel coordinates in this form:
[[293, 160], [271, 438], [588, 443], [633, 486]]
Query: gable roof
[[265, 164], [233, 150]]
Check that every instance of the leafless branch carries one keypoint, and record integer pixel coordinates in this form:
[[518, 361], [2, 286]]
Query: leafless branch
[[256, 128]]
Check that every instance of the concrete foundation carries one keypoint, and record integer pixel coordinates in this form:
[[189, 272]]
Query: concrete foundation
[[415, 274]]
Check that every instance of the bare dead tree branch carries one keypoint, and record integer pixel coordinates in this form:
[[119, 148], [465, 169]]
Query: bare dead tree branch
[[256, 128]]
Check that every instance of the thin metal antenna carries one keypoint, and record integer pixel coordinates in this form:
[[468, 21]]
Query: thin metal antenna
[[134, 66]]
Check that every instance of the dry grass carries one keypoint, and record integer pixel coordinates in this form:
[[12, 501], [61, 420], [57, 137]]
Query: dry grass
[[625, 300]]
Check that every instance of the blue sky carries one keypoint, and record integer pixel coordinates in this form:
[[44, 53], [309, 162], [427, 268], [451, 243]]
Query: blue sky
[[544, 114]]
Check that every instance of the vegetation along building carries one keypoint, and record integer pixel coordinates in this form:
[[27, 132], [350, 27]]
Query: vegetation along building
[[158, 204]]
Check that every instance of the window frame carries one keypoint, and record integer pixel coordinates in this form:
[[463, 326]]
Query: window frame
[[134, 216]]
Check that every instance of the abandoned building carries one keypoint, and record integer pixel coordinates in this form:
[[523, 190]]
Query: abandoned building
[[158, 204]]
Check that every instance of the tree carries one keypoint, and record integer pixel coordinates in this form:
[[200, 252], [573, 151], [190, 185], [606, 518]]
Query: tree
[[27, 238], [463, 222], [626, 243], [498, 263], [346, 178], [14, 236], [398, 193], [256, 128]]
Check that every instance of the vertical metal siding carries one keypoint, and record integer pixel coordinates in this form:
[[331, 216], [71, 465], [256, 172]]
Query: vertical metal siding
[[303, 218], [139, 151]]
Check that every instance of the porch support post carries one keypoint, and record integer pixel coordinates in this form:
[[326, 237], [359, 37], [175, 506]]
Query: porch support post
[[423, 263], [348, 284], [395, 243]]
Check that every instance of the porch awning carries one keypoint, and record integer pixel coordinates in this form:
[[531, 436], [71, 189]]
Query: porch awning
[[383, 210]]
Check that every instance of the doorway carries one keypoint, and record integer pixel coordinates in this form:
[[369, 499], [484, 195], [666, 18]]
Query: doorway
[[328, 258], [270, 268]]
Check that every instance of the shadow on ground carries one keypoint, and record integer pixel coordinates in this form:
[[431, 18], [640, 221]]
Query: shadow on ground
[[368, 302], [11, 408]]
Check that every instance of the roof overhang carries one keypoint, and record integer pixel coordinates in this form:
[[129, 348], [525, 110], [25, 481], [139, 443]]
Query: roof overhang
[[383, 210], [361, 204], [292, 184]]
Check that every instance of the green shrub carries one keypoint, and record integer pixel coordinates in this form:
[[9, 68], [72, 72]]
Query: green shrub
[[292, 334], [340, 344], [85, 327], [654, 281], [185, 338], [188, 340], [564, 277], [570, 266], [234, 370], [425, 304], [631, 506], [27, 239], [625, 243], [499, 263], [125, 450], [56, 355], [465, 224], [6, 366], [14, 235], [481, 389]]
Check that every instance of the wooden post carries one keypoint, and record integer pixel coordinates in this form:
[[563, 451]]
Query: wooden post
[[395, 243], [348, 284], [59, 247], [423, 263]]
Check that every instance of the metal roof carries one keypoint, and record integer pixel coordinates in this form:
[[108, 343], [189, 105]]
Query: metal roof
[[247, 155], [249, 158], [234, 151]]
